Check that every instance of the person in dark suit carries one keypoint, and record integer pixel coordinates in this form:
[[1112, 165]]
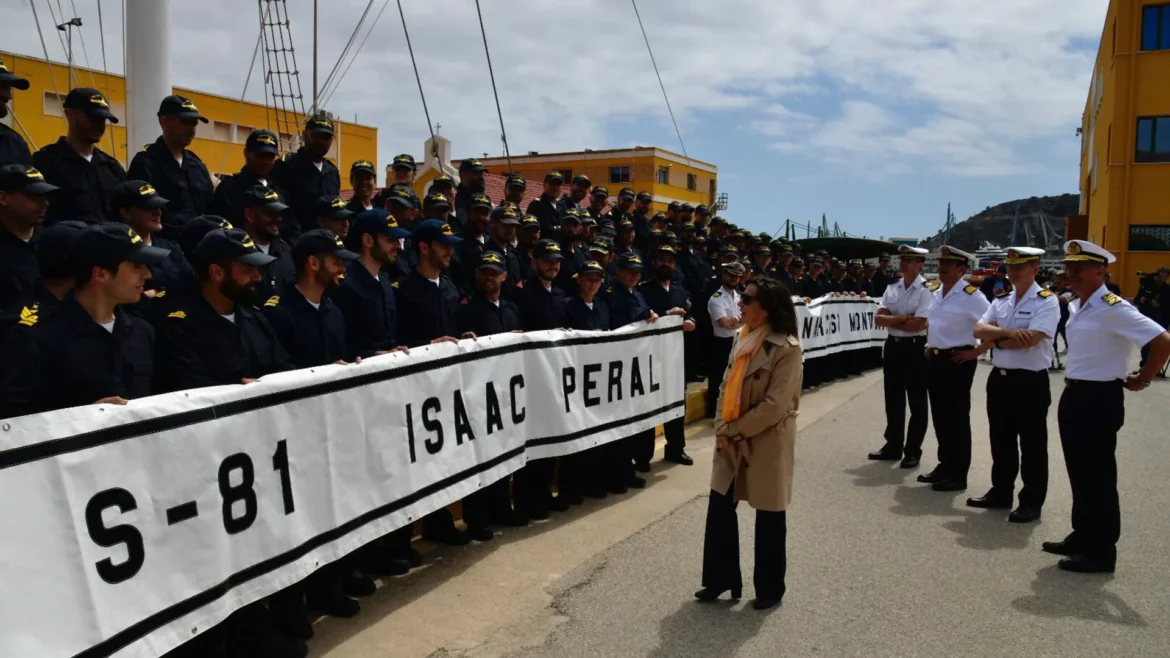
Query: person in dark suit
[[174, 170], [626, 306], [13, 148], [260, 151], [308, 175]]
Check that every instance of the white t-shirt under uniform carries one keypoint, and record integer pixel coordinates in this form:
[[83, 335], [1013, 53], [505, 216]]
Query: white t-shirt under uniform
[[915, 300], [1102, 332], [953, 316], [1037, 310], [724, 303]]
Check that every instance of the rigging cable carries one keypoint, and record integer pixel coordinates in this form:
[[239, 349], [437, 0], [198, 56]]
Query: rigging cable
[[20, 125], [106, 71], [345, 51], [60, 39], [660, 84], [500, 112], [45, 49], [356, 53], [84, 52], [430, 127], [247, 81]]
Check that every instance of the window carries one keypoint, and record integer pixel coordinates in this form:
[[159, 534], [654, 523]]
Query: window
[[1156, 27], [566, 174], [242, 133], [619, 174], [711, 192], [1153, 140], [1149, 237], [664, 175], [692, 182], [220, 131]]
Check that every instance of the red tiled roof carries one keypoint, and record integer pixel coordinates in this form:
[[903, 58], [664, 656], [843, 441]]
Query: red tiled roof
[[494, 186]]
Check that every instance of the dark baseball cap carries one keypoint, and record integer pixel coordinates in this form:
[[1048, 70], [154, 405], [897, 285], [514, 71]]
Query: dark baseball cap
[[688, 226], [554, 177], [320, 241], [628, 261], [516, 180], [110, 242], [716, 221], [796, 262], [665, 248], [645, 196], [592, 267], [443, 179], [197, 227], [600, 245], [376, 221], [626, 193], [580, 179], [436, 201], [599, 190], [264, 198], [471, 164], [764, 251], [55, 246], [23, 179], [136, 193], [491, 260], [178, 106], [506, 214], [702, 209], [547, 250], [571, 214], [90, 101], [658, 217], [262, 141], [230, 244], [586, 218], [363, 165], [435, 230], [625, 223], [404, 161], [480, 200], [319, 123], [401, 194], [8, 78], [529, 221], [686, 207], [332, 207], [674, 205]]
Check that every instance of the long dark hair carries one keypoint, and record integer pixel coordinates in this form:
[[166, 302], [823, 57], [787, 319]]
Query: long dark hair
[[776, 300]]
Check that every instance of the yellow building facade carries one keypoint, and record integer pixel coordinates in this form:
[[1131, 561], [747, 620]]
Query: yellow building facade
[[40, 118], [666, 175], [1125, 147]]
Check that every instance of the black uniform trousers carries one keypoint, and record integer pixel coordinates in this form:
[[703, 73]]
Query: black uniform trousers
[[1017, 415], [717, 365], [721, 548], [949, 387], [1089, 416], [904, 375]]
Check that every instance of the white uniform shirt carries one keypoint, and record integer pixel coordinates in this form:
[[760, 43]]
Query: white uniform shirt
[[723, 304], [1102, 331], [953, 316], [1036, 311], [915, 300]]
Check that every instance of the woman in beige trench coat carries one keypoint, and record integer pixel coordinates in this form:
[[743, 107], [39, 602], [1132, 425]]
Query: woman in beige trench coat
[[755, 440]]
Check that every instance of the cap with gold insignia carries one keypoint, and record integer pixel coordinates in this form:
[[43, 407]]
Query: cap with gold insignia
[[665, 248], [55, 246], [137, 194], [435, 230], [906, 252], [628, 261], [626, 193], [23, 179], [599, 190], [506, 213], [594, 268], [480, 200], [471, 164], [401, 194], [529, 221], [644, 197], [319, 123], [264, 198], [853, 263], [320, 241], [376, 221], [262, 141], [491, 260], [332, 207], [363, 166], [547, 250], [601, 246], [947, 252], [178, 106], [404, 161], [436, 201], [517, 181], [91, 102], [8, 78], [441, 181], [111, 242], [554, 177], [1077, 251], [571, 215], [734, 267], [194, 230], [582, 179], [1021, 255], [229, 244]]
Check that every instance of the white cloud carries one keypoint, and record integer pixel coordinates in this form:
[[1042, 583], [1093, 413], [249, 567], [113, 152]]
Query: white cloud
[[962, 84]]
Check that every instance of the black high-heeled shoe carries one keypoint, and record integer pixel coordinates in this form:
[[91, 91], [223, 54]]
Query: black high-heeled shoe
[[709, 594]]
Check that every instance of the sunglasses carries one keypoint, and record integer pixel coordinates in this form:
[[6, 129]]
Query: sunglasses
[[747, 299]]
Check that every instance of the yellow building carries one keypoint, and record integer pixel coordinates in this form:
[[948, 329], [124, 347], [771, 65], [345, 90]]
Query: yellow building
[[220, 143], [1125, 147]]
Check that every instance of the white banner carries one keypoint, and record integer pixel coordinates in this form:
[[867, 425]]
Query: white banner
[[829, 325], [128, 530]]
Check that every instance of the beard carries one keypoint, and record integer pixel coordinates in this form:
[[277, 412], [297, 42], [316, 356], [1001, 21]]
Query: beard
[[240, 295], [663, 273]]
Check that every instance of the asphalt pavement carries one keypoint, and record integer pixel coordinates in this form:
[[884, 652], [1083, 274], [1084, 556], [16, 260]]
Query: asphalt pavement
[[879, 565]]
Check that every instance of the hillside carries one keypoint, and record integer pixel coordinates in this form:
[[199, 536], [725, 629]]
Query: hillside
[[994, 224]]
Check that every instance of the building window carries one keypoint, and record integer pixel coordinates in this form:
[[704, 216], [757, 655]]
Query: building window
[[619, 174], [692, 182], [566, 174], [1153, 140], [242, 133], [711, 193], [664, 175], [1149, 237], [221, 131], [1156, 27], [54, 104]]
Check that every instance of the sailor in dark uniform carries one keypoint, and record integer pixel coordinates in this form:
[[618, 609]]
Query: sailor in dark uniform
[[173, 169], [260, 152], [626, 306], [544, 207], [307, 175], [13, 148]]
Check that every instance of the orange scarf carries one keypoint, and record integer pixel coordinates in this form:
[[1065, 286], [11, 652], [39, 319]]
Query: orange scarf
[[750, 342]]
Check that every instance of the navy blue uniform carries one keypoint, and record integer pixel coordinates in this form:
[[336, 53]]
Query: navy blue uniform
[[13, 148], [484, 318], [432, 311], [541, 308], [370, 309], [579, 316], [187, 186], [228, 200], [279, 275], [312, 336], [464, 260], [86, 186], [68, 360], [626, 306], [548, 213], [304, 183], [172, 272], [512, 267], [19, 270], [574, 262], [662, 300]]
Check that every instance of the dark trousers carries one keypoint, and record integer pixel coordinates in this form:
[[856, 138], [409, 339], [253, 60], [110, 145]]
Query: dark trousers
[[716, 367], [676, 437], [721, 548], [904, 377], [643, 446], [533, 490], [692, 356], [949, 387], [1017, 413], [1089, 415], [489, 505]]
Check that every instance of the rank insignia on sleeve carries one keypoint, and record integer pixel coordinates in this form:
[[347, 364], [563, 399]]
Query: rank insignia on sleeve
[[28, 316], [178, 315], [273, 300], [1111, 299]]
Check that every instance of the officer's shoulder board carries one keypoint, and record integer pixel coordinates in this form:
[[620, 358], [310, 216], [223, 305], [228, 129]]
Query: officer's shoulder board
[[718, 293], [932, 285], [394, 285], [272, 301], [609, 289], [143, 149], [1044, 293], [178, 315], [1111, 299], [159, 294], [970, 290], [28, 316]]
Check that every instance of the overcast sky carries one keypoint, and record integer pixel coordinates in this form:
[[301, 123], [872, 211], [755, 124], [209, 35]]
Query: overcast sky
[[876, 113]]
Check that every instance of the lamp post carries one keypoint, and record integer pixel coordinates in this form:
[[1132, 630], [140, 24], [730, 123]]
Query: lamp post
[[67, 28]]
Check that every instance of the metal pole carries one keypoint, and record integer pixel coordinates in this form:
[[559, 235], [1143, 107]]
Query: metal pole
[[148, 68], [69, 55], [314, 111]]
